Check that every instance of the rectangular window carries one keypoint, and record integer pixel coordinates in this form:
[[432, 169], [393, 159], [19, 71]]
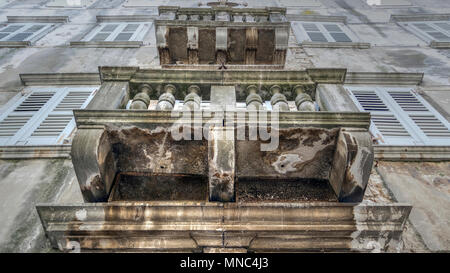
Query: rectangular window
[[321, 32], [118, 32], [400, 116], [429, 31], [19, 32], [43, 117]]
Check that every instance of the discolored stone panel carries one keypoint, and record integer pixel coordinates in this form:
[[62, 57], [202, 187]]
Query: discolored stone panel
[[236, 48], [178, 44], [157, 151], [266, 46], [207, 45], [302, 152], [148, 187], [292, 190]]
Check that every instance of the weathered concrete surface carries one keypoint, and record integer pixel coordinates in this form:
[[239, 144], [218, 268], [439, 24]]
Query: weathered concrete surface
[[378, 193], [426, 186], [24, 183], [111, 95]]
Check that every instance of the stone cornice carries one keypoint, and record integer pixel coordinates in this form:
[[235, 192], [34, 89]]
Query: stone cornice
[[35, 152], [38, 19], [420, 17], [384, 78], [444, 45], [335, 45], [221, 24], [149, 119], [109, 44], [214, 9], [316, 18], [60, 79], [15, 43], [125, 18], [135, 74], [412, 153]]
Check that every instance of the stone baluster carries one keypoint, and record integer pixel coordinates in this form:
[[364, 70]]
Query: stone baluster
[[253, 101], [303, 101], [192, 100], [278, 100], [142, 99], [166, 101]]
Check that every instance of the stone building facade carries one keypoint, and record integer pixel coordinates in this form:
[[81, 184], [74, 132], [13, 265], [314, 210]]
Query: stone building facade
[[360, 92]]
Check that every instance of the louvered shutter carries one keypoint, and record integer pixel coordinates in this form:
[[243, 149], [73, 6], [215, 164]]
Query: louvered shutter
[[43, 117], [336, 32], [8, 31], [22, 32], [314, 33], [18, 120], [320, 32], [401, 117], [430, 126], [385, 125], [59, 123], [127, 32], [104, 32], [432, 31], [118, 32]]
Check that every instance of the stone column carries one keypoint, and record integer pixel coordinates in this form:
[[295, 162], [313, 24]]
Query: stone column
[[166, 101], [303, 101], [278, 100], [192, 101], [253, 101], [142, 99]]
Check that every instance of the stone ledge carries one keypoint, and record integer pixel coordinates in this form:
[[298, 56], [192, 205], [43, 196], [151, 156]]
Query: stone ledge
[[126, 18], [412, 153], [60, 79], [38, 19], [139, 118], [307, 44], [443, 45], [15, 44], [316, 18], [192, 226], [383, 78], [108, 44], [420, 17], [35, 152]]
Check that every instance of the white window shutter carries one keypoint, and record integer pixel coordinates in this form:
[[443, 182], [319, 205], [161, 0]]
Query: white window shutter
[[44, 117], [336, 32], [385, 125], [431, 127], [18, 32], [118, 32], [438, 31], [322, 32], [17, 121], [401, 117], [59, 123]]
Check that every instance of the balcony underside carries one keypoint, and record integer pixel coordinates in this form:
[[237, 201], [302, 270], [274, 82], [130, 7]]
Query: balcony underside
[[249, 227]]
